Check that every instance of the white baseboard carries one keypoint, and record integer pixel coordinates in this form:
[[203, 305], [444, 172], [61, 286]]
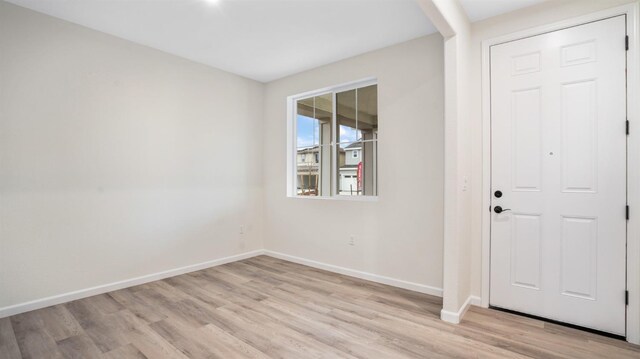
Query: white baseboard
[[416, 287], [475, 300], [456, 317], [88, 292]]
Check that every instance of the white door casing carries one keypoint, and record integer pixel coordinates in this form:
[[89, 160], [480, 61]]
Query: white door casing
[[558, 152]]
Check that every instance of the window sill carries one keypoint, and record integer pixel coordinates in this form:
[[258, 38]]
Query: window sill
[[338, 198]]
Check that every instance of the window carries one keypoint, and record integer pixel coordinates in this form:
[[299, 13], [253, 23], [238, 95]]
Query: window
[[334, 139]]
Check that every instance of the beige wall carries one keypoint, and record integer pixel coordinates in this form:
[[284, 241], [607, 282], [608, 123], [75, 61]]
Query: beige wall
[[545, 13], [400, 235], [117, 160]]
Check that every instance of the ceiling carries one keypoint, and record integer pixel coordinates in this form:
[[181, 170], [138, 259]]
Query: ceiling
[[260, 39], [482, 9]]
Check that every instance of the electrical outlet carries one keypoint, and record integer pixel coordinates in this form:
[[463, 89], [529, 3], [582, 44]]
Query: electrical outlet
[[352, 240]]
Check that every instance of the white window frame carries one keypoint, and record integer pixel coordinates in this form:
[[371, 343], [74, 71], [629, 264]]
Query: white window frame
[[292, 141]]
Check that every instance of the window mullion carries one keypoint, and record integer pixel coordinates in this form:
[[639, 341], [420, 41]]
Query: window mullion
[[295, 147], [334, 154], [356, 115]]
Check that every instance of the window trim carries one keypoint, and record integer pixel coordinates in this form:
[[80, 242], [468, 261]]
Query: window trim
[[292, 137]]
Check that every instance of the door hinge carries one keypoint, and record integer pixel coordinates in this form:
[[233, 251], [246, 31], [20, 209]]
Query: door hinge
[[627, 127], [626, 297], [627, 212], [626, 42]]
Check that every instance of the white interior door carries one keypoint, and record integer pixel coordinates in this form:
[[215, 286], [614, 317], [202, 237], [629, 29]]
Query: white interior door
[[558, 152]]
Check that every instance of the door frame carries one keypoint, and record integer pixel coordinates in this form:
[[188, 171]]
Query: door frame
[[633, 152]]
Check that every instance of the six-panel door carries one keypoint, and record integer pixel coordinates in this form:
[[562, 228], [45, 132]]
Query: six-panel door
[[558, 149]]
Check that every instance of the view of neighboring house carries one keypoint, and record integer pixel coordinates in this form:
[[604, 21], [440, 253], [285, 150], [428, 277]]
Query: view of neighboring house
[[350, 171], [308, 164]]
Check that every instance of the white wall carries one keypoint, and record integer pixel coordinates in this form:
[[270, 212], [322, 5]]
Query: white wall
[[117, 160], [400, 235], [451, 21], [457, 166]]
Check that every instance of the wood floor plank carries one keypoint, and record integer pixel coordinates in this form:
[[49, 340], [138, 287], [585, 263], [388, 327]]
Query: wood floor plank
[[243, 349], [108, 331], [33, 340], [289, 338], [131, 300], [203, 342], [185, 339], [152, 345], [8, 344], [59, 322], [79, 347], [264, 307], [128, 351], [191, 286], [361, 344]]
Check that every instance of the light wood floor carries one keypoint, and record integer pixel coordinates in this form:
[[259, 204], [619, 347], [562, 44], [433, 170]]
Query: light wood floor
[[268, 308]]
